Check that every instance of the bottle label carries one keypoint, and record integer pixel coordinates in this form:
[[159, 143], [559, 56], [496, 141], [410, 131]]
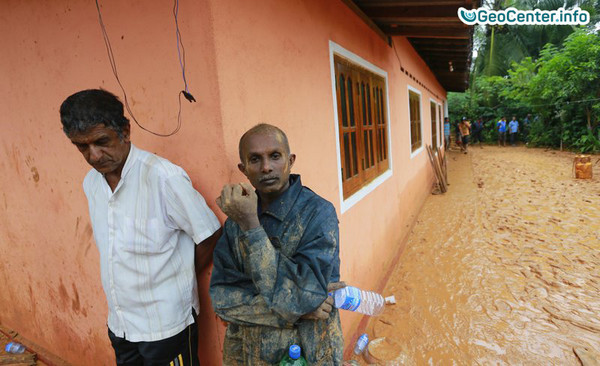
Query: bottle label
[[352, 300]]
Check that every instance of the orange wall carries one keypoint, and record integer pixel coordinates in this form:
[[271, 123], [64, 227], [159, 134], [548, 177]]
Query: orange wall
[[245, 64]]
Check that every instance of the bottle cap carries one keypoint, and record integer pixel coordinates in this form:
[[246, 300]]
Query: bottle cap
[[294, 352], [390, 300], [10, 345]]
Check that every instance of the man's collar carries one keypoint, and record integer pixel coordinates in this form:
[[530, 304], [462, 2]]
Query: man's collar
[[281, 206], [131, 158]]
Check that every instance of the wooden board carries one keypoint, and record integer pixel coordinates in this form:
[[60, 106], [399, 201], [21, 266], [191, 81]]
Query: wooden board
[[437, 170]]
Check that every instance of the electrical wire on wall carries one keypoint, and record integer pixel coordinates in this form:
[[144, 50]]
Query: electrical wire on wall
[[396, 52], [180, 53], [186, 91]]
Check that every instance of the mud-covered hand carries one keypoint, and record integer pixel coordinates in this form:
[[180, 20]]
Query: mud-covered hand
[[323, 311], [238, 202]]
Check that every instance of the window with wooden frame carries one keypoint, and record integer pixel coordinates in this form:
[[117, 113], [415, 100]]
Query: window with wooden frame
[[362, 124], [414, 101], [434, 120]]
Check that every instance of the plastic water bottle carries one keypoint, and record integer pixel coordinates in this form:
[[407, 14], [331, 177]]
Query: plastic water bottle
[[361, 344], [14, 347], [355, 299], [293, 357]]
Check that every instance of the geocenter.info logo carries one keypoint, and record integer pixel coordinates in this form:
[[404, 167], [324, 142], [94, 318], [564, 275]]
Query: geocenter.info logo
[[512, 16]]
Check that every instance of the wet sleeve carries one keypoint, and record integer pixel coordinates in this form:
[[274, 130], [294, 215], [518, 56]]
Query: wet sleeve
[[234, 297], [296, 285], [187, 210]]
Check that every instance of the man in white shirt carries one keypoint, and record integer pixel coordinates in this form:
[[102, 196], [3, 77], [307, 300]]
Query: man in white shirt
[[146, 218]]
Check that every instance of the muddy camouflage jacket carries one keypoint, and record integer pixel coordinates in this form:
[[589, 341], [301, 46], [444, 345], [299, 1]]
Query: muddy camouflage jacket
[[265, 279]]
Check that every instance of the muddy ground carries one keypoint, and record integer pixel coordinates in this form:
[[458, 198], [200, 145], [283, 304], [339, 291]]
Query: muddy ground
[[504, 269]]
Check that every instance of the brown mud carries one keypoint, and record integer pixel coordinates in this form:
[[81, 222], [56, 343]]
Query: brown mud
[[504, 268]]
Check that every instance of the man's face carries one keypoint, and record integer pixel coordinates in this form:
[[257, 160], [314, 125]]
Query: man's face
[[266, 163], [102, 148]]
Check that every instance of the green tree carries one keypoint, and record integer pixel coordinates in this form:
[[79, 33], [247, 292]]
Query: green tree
[[561, 89], [566, 90], [503, 45]]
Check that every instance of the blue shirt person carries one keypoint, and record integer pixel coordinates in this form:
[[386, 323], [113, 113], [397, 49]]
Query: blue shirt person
[[447, 132], [446, 126], [513, 128], [501, 126], [276, 261]]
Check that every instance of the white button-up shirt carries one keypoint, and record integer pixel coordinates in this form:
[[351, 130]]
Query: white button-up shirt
[[145, 232]]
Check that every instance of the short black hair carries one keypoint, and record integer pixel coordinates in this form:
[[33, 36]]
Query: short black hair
[[264, 128], [88, 108]]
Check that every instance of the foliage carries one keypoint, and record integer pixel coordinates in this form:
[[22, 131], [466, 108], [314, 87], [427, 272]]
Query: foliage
[[502, 45], [560, 88], [566, 88]]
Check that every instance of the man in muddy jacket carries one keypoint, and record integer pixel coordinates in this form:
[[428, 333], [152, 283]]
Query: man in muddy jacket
[[276, 261]]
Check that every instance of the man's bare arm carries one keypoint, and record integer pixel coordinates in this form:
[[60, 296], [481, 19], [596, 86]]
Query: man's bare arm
[[204, 251]]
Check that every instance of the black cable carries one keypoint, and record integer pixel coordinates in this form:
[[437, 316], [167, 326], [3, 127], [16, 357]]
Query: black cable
[[113, 65], [186, 91], [396, 52]]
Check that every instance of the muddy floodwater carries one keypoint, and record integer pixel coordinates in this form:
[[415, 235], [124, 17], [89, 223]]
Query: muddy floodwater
[[504, 269]]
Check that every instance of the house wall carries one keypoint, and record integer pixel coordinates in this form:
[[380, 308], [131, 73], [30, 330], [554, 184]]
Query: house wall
[[246, 64]]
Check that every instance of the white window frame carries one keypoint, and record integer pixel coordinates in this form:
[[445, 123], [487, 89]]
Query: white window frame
[[417, 151], [444, 115], [440, 121], [437, 119], [345, 204]]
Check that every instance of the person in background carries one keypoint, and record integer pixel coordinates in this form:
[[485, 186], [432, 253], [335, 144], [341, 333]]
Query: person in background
[[277, 260], [513, 128], [525, 128], [458, 138], [477, 135], [447, 133], [464, 127], [501, 127], [148, 223]]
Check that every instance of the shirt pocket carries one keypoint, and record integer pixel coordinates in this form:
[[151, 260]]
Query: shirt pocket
[[142, 235]]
